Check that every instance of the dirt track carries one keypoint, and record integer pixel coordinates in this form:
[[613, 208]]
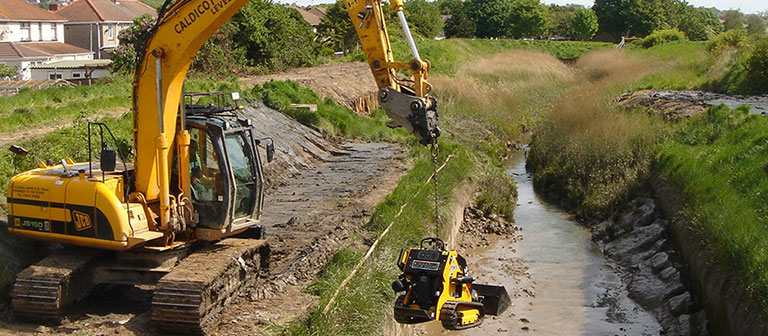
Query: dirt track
[[319, 196]]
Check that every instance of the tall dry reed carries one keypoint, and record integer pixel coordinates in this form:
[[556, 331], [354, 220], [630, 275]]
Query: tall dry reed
[[588, 150]]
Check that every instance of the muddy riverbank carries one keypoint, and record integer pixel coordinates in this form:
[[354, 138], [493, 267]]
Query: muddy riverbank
[[678, 105]]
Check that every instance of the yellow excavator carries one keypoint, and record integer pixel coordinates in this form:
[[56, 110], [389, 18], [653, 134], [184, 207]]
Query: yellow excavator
[[196, 178]]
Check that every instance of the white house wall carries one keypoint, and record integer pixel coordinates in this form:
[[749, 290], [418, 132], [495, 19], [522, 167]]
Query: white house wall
[[43, 74], [11, 32]]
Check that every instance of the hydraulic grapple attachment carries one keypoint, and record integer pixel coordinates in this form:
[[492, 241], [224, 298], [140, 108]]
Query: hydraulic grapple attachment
[[438, 287]]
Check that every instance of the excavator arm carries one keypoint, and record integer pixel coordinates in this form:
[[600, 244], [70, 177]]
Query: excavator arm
[[407, 102], [181, 29]]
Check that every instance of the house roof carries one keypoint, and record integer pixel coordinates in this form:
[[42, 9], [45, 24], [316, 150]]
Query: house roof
[[105, 10], [22, 50], [311, 16], [319, 11], [20, 10], [75, 64]]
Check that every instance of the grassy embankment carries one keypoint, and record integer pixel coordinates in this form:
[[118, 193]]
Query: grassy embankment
[[597, 156], [488, 94]]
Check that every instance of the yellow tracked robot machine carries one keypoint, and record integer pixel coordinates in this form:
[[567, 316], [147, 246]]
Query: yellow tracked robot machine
[[437, 286]]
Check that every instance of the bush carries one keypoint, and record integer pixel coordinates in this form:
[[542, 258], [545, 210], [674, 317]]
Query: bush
[[663, 36], [732, 39], [756, 79]]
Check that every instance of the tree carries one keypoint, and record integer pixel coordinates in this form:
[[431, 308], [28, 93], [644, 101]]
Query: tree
[[561, 20], [755, 25], [450, 7], [131, 39], [733, 19], [460, 24], [424, 18], [756, 78], [220, 57], [629, 17], [700, 24], [336, 28], [529, 18], [584, 24], [274, 37], [492, 17]]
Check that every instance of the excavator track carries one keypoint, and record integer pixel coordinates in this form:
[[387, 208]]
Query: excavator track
[[450, 316], [190, 298], [43, 292]]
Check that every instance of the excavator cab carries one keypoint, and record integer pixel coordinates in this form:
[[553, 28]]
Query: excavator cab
[[226, 177]]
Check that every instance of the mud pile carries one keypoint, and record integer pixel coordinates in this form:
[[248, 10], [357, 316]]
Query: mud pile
[[477, 225], [349, 84], [638, 241], [678, 105]]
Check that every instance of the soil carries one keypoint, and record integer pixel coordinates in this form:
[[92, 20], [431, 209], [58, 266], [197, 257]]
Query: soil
[[349, 84], [678, 105], [319, 196]]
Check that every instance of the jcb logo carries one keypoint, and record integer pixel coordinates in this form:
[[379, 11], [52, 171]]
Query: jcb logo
[[82, 221]]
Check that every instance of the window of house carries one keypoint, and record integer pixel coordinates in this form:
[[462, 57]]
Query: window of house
[[25, 32], [77, 75], [54, 75], [111, 32], [39, 31], [53, 32]]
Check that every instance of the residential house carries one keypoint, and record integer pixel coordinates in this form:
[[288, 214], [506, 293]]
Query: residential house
[[30, 35], [312, 15], [96, 24]]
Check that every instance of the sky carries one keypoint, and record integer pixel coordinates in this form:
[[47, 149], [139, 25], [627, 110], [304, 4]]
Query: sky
[[746, 6]]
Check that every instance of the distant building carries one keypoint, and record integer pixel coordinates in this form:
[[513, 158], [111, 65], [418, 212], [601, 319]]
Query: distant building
[[312, 15], [96, 24], [75, 71], [30, 35]]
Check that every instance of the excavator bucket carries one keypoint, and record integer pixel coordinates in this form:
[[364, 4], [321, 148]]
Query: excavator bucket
[[494, 298]]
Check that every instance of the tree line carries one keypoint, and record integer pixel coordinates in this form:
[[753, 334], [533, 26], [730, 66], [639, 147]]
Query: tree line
[[267, 37]]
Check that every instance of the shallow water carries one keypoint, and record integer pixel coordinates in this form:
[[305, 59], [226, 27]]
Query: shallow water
[[559, 281]]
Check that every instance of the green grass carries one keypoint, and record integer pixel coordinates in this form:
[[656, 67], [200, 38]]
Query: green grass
[[50, 106], [686, 65], [717, 162], [361, 308]]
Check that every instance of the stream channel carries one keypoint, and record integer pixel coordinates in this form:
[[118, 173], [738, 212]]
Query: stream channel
[[559, 281]]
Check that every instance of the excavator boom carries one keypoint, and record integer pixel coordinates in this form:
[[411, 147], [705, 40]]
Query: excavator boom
[[408, 105]]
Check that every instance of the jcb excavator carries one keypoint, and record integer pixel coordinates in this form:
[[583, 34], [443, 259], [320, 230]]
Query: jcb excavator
[[196, 178]]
